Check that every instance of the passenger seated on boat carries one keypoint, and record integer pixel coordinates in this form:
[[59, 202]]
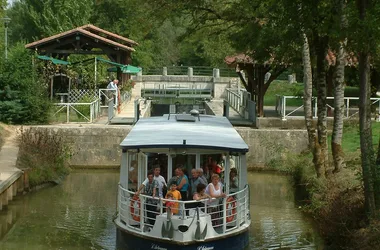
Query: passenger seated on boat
[[173, 194], [200, 194], [149, 189], [214, 189], [234, 182]]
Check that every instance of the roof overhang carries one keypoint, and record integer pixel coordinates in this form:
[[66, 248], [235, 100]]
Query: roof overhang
[[207, 132], [91, 32]]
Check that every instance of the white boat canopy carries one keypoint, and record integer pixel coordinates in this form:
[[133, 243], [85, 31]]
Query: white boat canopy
[[185, 131]]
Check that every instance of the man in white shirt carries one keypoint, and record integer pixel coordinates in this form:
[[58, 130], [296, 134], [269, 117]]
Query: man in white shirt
[[113, 84], [160, 179]]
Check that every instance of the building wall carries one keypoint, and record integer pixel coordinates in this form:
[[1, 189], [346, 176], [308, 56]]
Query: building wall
[[99, 145]]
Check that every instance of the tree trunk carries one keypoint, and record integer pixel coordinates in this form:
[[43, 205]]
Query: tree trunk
[[321, 157], [336, 141], [308, 92], [366, 148]]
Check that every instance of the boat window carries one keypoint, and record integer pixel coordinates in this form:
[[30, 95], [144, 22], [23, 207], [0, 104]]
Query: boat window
[[158, 160], [133, 170], [212, 163], [186, 160]]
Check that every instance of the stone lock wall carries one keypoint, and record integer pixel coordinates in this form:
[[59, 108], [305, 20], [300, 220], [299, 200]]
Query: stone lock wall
[[98, 146]]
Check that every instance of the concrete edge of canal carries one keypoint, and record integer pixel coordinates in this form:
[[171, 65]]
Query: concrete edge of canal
[[13, 181]]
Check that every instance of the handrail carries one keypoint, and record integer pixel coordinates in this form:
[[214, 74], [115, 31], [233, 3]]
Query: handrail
[[183, 70], [107, 94], [94, 110], [239, 100], [290, 111], [236, 208]]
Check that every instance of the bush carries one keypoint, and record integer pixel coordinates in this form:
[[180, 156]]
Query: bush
[[23, 98], [45, 154]]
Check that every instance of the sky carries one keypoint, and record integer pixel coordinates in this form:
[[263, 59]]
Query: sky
[[11, 1]]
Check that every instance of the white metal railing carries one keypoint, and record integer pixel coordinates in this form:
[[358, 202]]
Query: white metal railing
[[78, 112], [177, 90], [138, 213], [105, 95], [287, 111], [238, 100]]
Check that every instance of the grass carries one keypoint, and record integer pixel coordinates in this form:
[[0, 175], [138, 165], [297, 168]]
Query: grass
[[283, 88], [351, 137], [61, 117]]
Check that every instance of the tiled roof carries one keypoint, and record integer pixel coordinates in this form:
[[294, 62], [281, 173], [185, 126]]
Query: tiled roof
[[240, 58], [86, 31], [91, 27]]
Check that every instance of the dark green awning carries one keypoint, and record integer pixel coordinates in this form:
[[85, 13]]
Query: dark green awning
[[126, 69], [53, 60], [109, 62]]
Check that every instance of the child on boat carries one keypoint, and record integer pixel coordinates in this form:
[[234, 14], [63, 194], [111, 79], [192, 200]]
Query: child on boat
[[173, 194]]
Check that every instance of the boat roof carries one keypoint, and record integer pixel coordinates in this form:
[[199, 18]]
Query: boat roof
[[185, 131]]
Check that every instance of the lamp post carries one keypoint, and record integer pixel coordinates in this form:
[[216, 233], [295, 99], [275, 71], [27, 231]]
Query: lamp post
[[6, 22]]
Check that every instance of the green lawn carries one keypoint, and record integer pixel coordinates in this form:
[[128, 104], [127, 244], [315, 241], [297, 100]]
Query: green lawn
[[283, 88], [351, 137]]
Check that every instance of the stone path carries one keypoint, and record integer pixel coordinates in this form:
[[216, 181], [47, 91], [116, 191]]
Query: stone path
[[8, 157]]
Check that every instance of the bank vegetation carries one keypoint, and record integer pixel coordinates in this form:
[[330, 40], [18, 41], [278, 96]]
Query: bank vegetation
[[336, 202], [43, 155]]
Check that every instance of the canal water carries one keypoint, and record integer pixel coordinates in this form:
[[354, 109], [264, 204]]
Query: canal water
[[78, 215]]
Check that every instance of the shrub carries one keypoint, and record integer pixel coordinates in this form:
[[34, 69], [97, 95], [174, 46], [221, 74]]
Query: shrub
[[23, 98], [45, 154]]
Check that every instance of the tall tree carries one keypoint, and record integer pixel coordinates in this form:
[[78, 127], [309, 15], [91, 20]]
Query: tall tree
[[336, 140], [33, 19], [308, 92], [366, 28]]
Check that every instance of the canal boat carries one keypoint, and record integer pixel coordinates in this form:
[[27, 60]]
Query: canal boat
[[190, 141]]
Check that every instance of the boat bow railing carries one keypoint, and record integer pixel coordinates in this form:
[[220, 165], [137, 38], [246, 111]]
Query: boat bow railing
[[227, 214]]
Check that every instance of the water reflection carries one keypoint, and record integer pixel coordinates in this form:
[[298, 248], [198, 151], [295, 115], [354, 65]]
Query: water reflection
[[277, 223], [74, 215], [78, 215]]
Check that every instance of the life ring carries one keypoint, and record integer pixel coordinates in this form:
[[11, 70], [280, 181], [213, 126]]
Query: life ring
[[230, 209], [135, 208]]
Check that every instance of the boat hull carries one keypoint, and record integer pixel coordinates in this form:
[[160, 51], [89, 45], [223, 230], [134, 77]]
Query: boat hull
[[129, 241]]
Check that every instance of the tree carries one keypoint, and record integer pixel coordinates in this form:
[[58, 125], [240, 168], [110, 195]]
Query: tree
[[365, 26], [33, 19], [336, 140], [23, 99]]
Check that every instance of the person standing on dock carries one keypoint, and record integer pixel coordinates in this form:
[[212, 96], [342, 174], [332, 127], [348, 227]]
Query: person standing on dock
[[112, 86]]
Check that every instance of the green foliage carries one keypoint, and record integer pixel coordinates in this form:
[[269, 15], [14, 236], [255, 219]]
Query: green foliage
[[128, 86], [23, 99], [44, 154], [37, 19]]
